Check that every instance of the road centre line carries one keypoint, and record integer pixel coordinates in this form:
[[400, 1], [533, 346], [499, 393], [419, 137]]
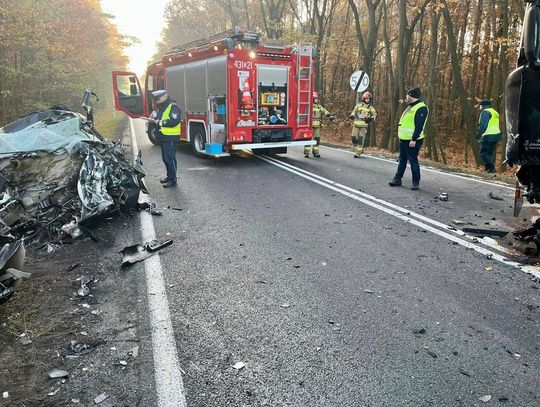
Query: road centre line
[[408, 212], [424, 168], [406, 218], [167, 376]]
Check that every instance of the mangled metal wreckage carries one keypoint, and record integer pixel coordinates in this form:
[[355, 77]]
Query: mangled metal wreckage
[[58, 175]]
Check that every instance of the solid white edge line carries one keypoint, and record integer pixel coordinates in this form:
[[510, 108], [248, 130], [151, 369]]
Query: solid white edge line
[[492, 255], [446, 227], [167, 376], [424, 168]]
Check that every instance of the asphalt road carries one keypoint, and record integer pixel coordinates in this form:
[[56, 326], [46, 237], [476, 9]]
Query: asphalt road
[[331, 297]]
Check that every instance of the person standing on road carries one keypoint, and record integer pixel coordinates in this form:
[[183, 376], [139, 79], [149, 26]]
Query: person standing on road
[[411, 136], [318, 112], [362, 114], [167, 132], [488, 134]]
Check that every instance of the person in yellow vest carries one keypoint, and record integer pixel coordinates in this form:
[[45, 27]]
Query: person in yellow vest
[[362, 114], [411, 136], [488, 134], [318, 112], [167, 133]]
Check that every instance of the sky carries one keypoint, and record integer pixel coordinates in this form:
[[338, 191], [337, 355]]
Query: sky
[[141, 19]]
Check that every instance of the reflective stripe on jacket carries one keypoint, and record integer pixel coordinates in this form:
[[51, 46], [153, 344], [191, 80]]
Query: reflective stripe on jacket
[[406, 123], [361, 112], [318, 112]]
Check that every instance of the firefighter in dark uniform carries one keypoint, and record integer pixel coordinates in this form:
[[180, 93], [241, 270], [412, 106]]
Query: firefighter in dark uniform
[[167, 133]]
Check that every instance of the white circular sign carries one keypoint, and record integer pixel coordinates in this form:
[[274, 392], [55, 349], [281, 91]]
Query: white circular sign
[[359, 81]]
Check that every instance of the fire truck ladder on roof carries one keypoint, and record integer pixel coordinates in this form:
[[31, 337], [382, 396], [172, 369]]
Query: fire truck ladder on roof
[[235, 34], [304, 71]]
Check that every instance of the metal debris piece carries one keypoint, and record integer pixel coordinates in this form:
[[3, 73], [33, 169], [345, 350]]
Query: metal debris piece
[[123, 362], [102, 397], [239, 365], [12, 256], [73, 266], [285, 305], [55, 373], [485, 398], [138, 252], [458, 222], [488, 269], [25, 340], [485, 232], [496, 197], [368, 291], [443, 196], [84, 290], [5, 395]]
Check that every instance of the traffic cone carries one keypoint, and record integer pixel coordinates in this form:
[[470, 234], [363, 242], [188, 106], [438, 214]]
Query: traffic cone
[[247, 100]]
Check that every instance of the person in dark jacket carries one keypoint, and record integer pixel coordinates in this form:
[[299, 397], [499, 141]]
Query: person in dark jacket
[[488, 134], [167, 133], [411, 136]]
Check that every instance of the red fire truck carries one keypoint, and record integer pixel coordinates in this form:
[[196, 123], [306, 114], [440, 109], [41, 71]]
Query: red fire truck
[[235, 91]]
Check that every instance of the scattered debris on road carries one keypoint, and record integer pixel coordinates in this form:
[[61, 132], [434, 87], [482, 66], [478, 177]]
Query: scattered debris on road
[[138, 252], [485, 398], [55, 373], [101, 398], [239, 365], [443, 196], [485, 232], [495, 197]]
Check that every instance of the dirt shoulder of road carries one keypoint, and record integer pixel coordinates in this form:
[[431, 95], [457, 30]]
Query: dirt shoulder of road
[[95, 339]]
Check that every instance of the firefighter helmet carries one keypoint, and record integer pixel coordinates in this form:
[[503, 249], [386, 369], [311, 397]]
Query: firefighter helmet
[[367, 95]]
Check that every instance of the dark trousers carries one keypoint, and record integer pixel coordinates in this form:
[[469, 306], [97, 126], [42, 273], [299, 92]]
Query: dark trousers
[[168, 155], [409, 154], [487, 148]]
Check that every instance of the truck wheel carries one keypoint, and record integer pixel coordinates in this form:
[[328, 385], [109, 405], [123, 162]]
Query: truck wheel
[[152, 138], [198, 142]]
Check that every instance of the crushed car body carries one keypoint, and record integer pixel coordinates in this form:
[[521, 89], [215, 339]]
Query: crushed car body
[[57, 172]]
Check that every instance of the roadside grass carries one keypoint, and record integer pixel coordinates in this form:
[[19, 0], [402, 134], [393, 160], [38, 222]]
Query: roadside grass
[[109, 123]]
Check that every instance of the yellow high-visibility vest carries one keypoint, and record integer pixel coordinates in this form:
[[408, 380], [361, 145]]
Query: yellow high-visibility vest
[[493, 126], [406, 123], [169, 131]]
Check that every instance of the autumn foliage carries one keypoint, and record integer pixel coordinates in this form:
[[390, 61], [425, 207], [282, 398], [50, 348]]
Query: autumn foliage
[[51, 51]]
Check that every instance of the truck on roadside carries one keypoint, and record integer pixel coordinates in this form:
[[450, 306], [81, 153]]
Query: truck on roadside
[[235, 92]]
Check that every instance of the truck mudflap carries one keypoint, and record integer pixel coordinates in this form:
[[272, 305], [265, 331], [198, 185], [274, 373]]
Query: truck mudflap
[[273, 145]]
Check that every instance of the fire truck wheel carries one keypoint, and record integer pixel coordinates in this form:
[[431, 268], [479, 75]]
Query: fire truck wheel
[[199, 140]]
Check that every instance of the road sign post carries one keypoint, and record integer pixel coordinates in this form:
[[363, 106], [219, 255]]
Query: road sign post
[[359, 81]]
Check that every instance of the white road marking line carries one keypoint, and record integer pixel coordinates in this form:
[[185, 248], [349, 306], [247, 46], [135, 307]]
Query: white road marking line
[[447, 228], [167, 376], [424, 168], [332, 186]]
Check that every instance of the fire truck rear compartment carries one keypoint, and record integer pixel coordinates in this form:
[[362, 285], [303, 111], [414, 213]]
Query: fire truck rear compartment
[[272, 91]]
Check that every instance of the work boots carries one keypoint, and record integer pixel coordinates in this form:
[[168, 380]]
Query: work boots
[[170, 183], [163, 180], [396, 182]]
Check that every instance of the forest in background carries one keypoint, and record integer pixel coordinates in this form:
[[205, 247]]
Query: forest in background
[[53, 50], [457, 51]]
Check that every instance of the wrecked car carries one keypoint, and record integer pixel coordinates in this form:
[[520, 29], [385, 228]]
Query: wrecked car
[[58, 176]]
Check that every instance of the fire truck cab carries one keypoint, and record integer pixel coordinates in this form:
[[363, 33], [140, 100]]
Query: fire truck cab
[[235, 92]]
